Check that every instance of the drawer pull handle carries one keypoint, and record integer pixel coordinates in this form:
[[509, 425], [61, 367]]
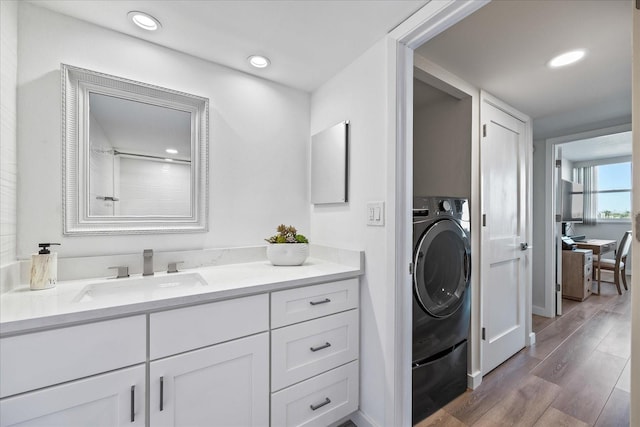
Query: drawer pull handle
[[320, 405], [320, 347], [133, 403], [161, 393], [324, 301]]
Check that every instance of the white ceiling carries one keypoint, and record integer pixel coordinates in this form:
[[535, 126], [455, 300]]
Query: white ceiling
[[601, 147], [307, 41], [503, 48]]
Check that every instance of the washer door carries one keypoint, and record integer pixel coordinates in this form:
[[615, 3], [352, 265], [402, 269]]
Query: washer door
[[443, 268]]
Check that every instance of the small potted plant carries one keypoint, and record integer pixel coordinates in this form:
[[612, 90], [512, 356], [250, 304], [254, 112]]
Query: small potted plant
[[287, 247]]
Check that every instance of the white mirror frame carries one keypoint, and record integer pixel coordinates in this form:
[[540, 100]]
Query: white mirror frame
[[77, 83]]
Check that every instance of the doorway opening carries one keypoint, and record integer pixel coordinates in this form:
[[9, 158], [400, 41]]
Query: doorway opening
[[595, 217]]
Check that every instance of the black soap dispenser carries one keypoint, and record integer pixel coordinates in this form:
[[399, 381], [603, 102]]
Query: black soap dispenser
[[44, 268]]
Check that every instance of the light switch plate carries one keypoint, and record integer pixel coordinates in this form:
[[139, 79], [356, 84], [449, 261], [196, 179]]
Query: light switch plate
[[375, 213]]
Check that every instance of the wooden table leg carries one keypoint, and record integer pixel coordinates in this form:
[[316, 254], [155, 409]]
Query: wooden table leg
[[599, 272]]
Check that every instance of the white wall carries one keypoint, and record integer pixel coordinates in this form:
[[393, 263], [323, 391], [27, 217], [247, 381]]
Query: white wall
[[359, 94], [258, 137], [148, 186], [442, 148], [567, 169], [8, 130], [538, 211]]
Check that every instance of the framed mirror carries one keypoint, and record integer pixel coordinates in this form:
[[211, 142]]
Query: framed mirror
[[135, 156]]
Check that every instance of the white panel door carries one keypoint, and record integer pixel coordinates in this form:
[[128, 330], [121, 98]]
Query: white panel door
[[108, 400], [504, 232], [224, 385]]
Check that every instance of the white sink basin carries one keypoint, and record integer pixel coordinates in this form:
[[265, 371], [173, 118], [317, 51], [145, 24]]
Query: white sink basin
[[147, 288]]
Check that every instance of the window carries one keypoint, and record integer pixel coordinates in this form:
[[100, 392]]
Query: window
[[613, 191], [602, 164]]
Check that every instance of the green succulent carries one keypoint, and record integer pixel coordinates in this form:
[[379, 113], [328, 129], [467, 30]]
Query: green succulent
[[287, 234]]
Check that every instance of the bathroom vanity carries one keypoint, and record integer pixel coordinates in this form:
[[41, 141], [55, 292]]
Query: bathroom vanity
[[248, 345]]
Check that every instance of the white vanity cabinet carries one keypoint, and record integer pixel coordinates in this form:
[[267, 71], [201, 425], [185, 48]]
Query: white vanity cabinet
[[276, 358], [314, 354], [57, 377], [211, 376]]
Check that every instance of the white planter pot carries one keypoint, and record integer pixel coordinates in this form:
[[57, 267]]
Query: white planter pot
[[287, 253]]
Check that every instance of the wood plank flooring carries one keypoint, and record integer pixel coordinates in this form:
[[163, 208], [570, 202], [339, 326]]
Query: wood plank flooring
[[577, 373]]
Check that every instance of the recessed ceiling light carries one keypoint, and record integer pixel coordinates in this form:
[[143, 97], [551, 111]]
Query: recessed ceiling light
[[144, 20], [171, 151], [567, 58], [259, 61]]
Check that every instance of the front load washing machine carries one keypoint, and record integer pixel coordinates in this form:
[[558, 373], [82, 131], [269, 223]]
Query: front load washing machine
[[441, 301]]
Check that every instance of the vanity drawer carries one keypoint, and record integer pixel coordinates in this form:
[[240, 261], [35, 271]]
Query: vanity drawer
[[41, 359], [588, 269], [183, 329], [306, 349], [300, 304], [334, 395]]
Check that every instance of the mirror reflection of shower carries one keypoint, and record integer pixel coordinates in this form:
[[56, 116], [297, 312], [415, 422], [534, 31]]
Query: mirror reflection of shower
[[139, 159]]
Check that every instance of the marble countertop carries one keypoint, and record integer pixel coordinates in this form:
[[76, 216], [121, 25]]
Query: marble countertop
[[23, 310]]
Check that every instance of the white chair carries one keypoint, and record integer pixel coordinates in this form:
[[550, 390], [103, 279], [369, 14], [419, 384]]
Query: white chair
[[618, 265]]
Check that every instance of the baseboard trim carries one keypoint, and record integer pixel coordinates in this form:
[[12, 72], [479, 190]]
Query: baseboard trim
[[474, 380], [542, 311], [362, 420]]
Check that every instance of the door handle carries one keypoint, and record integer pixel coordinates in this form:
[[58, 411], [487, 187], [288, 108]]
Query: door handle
[[320, 405], [525, 246], [133, 403], [161, 393], [320, 347]]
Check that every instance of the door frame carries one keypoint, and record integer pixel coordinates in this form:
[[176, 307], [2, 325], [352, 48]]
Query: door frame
[[549, 245], [428, 22], [635, 246]]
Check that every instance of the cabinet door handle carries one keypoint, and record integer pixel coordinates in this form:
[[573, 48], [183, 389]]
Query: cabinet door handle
[[320, 405], [133, 403], [324, 301], [320, 347], [161, 393]]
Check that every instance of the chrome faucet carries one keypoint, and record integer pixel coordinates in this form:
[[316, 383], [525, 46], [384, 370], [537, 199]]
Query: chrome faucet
[[147, 269]]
